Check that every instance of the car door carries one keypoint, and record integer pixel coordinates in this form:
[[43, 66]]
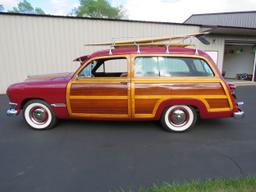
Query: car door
[[100, 89], [147, 89]]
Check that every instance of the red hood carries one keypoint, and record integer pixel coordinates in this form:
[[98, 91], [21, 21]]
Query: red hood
[[49, 77]]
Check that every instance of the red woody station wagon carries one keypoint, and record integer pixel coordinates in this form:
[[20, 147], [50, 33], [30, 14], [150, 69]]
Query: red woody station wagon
[[133, 80]]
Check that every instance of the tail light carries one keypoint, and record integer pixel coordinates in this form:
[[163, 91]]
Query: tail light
[[232, 88]]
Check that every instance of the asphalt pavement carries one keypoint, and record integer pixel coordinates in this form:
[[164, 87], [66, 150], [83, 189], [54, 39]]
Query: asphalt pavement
[[109, 156]]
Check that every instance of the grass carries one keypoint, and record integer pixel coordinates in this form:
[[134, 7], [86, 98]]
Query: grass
[[216, 185]]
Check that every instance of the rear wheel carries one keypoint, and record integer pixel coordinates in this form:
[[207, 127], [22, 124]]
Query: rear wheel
[[178, 118], [39, 115]]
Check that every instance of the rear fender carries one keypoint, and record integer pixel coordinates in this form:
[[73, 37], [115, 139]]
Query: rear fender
[[191, 102]]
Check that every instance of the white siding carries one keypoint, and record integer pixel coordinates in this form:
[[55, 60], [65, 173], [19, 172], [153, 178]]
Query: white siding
[[217, 43], [38, 45], [32, 45]]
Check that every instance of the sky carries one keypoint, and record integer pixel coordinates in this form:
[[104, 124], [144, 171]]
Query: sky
[[149, 10]]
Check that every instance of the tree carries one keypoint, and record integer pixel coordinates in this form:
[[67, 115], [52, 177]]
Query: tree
[[1, 8], [25, 7], [98, 9], [39, 11]]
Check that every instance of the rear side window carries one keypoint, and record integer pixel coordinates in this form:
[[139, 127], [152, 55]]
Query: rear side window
[[171, 67], [147, 66], [114, 66]]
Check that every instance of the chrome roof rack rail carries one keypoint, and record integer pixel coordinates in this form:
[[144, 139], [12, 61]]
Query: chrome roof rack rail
[[196, 52], [138, 48], [167, 48]]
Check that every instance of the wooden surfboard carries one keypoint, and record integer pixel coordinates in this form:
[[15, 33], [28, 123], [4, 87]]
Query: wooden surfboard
[[150, 41]]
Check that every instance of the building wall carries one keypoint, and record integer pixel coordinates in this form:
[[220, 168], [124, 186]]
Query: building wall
[[217, 44], [32, 45], [39, 45]]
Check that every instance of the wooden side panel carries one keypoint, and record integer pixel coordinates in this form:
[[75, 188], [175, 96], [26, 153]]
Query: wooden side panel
[[98, 90], [179, 89], [218, 103], [101, 99], [99, 106], [145, 106], [149, 96], [152, 89], [197, 89]]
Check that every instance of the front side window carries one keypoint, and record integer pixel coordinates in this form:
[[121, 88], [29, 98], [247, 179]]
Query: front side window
[[87, 71], [110, 67], [171, 67]]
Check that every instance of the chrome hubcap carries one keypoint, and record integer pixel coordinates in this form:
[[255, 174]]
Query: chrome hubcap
[[178, 117], [38, 115]]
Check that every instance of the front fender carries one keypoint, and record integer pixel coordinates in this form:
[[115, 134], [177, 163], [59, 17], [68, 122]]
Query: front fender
[[52, 92]]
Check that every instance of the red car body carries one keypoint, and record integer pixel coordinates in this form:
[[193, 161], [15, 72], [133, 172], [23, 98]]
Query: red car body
[[53, 88]]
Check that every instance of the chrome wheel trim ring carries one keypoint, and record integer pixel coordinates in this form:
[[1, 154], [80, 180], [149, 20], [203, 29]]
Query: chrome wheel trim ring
[[183, 126], [178, 117], [34, 120], [38, 115]]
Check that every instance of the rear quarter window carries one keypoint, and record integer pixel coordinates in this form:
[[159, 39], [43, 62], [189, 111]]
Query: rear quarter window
[[171, 67]]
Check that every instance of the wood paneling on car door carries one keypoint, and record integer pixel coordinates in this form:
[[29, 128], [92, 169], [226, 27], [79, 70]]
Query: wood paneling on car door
[[106, 99]]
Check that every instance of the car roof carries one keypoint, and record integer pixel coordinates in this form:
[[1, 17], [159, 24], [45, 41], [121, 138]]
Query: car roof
[[142, 50]]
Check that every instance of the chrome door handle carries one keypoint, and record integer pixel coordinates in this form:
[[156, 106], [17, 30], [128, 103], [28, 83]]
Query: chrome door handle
[[124, 83]]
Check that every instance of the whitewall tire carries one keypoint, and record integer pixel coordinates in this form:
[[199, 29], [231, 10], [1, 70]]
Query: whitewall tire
[[178, 118], [39, 115]]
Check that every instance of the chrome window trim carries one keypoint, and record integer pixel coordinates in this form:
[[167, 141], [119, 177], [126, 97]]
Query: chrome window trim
[[58, 105]]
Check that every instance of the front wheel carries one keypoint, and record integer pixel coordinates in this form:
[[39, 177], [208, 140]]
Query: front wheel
[[39, 115], [178, 118]]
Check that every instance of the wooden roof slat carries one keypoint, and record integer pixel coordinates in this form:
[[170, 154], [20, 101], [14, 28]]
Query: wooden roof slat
[[149, 41]]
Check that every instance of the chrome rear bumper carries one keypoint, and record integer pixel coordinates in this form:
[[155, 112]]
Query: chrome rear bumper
[[240, 114], [12, 109]]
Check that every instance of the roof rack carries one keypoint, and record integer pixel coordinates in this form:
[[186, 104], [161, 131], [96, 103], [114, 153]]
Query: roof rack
[[155, 42], [166, 45]]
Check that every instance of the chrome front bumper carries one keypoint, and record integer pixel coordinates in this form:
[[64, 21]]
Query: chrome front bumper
[[12, 109], [240, 114]]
